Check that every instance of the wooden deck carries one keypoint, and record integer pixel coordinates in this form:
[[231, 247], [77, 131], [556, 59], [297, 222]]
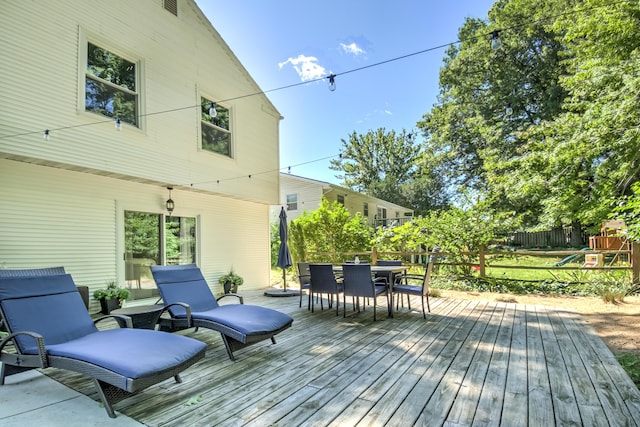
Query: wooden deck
[[470, 363]]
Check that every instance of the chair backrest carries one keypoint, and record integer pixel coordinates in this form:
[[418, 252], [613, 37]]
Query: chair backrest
[[427, 279], [32, 272], [389, 262], [357, 280], [48, 305], [304, 275], [323, 280], [183, 283]]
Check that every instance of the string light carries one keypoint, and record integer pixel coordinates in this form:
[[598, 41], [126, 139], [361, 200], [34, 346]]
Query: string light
[[332, 82], [212, 110], [45, 134], [118, 124], [496, 42], [508, 110]]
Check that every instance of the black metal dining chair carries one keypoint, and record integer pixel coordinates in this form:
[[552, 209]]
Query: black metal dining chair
[[404, 286], [358, 282], [323, 281], [304, 279]]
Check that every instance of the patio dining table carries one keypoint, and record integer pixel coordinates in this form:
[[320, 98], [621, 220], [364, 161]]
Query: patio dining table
[[389, 270]]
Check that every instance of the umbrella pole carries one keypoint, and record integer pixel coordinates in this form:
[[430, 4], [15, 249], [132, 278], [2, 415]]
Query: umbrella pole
[[284, 278]]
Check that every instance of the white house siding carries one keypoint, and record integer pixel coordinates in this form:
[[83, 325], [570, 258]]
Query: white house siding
[[309, 194], [181, 58], [54, 217], [63, 199]]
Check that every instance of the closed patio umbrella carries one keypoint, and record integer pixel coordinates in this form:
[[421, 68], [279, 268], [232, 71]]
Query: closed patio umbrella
[[284, 256]]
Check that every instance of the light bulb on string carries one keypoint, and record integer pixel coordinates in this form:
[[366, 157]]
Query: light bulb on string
[[212, 110], [508, 110], [118, 124], [332, 82], [496, 41], [46, 134]]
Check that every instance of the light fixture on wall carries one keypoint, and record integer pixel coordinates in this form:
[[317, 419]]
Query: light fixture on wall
[[169, 204], [212, 110]]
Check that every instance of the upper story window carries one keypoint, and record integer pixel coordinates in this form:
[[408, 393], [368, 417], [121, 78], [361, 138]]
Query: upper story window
[[111, 86], [216, 132], [340, 199], [365, 209], [292, 202]]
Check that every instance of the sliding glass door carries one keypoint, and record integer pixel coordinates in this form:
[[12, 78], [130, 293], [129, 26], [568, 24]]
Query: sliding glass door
[[155, 239]]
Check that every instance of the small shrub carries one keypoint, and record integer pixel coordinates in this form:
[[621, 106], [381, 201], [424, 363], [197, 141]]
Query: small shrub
[[631, 364], [435, 293]]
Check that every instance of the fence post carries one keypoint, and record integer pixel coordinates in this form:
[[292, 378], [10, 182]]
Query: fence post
[[635, 262], [481, 256], [374, 255]]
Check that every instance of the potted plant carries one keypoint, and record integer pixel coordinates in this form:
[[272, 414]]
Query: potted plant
[[111, 297], [230, 282]]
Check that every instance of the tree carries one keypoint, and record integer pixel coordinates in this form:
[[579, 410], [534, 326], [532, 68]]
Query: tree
[[488, 98], [330, 228], [455, 231], [386, 165]]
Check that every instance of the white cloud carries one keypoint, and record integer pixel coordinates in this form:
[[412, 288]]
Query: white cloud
[[352, 48], [307, 67]]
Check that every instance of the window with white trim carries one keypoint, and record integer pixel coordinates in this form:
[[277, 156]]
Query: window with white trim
[[216, 130], [292, 202], [111, 85]]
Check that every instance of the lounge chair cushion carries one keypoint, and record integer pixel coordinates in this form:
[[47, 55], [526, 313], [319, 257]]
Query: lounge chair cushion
[[408, 289], [183, 283], [139, 352], [55, 308], [247, 319]]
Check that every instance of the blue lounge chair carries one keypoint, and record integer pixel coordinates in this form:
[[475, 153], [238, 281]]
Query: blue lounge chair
[[239, 324], [49, 326]]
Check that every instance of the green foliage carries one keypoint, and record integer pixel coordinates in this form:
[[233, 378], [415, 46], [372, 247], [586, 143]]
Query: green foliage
[[142, 234], [274, 232], [331, 229], [112, 291], [454, 231], [631, 364], [629, 211], [387, 165], [571, 74], [231, 277]]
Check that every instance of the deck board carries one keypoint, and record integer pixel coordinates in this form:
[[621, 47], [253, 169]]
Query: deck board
[[469, 363]]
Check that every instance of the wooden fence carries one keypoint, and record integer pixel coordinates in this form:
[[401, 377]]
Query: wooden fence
[[557, 237], [420, 258]]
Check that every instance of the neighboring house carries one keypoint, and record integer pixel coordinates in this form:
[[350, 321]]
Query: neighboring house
[[299, 194], [124, 88]]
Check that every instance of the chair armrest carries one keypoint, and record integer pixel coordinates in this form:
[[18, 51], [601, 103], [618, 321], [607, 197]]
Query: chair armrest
[[381, 280], [240, 297], [184, 305], [28, 360], [403, 277], [124, 318]]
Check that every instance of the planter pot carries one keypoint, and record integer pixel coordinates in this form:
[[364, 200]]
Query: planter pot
[[107, 305], [227, 287]]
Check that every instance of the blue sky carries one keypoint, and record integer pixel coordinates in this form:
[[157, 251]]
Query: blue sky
[[285, 42]]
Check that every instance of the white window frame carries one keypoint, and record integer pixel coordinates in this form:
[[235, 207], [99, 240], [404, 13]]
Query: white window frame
[[86, 37]]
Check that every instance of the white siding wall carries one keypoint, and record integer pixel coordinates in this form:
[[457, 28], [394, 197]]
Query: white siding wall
[[180, 58], [54, 217], [309, 194]]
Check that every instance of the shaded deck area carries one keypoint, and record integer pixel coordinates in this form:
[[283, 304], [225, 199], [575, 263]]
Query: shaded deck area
[[469, 363]]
